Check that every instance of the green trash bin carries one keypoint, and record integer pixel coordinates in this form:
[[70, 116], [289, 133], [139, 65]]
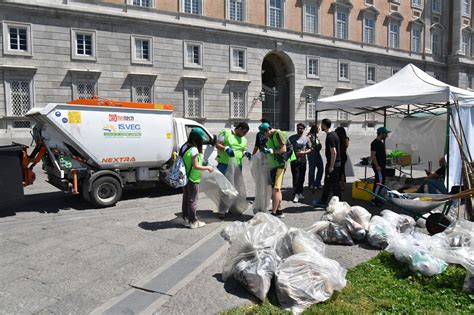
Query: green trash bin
[[11, 178]]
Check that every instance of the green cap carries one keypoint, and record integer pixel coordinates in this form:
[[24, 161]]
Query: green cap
[[263, 127], [383, 130], [199, 132]]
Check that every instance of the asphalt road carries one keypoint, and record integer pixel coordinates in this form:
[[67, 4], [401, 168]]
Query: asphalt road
[[60, 256]]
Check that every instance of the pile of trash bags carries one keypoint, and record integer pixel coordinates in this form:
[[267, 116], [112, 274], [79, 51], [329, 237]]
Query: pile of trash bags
[[227, 190], [396, 233], [342, 224], [264, 248], [430, 255]]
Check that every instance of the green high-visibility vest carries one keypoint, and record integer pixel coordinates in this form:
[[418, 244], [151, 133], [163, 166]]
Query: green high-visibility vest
[[236, 143], [194, 175], [273, 143]]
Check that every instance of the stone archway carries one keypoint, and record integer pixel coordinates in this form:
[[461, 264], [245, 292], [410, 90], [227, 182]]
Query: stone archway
[[278, 85]]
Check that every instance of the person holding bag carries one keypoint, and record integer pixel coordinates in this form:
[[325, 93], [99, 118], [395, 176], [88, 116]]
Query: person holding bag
[[281, 152], [192, 158]]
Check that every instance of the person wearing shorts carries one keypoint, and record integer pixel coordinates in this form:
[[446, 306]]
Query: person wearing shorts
[[276, 175], [280, 154]]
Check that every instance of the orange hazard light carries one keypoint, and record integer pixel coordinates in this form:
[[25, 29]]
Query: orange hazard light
[[116, 103]]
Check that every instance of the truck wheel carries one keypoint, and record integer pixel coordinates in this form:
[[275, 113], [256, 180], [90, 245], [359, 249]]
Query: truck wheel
[[106, 191]]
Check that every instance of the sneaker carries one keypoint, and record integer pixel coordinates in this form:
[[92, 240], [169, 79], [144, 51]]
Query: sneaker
[[186, 222], [301, 196], [278, 214], [319, 204], [296, 198], [196, 224]]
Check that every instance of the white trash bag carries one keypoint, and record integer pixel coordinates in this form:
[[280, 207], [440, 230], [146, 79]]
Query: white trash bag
[[379, 230], [336, 206], [218, 188], [403, 223], [414, 249], [263, 229], [307, 278], [298, 241], [261, 175], [251, 258], [234, 175], [254, 270]]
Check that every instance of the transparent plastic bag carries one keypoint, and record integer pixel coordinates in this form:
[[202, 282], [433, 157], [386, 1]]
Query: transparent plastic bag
[[403, 223], [261, 175], [355, 219], [414, 249], [336, 234], [361, 216], [298, 241], [317, 227], [379, 230], [234, 175], [263, 230], [337, 206], [456, 244], [251, 258], [218, 188], [304, 279]]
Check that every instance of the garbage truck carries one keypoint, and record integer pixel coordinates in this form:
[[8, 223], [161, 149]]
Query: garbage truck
[[96, 147]]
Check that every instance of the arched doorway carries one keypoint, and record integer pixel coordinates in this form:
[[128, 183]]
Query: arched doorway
[[278, 85]]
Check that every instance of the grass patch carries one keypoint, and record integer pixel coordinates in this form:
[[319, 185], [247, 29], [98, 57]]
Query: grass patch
[[384, 285]]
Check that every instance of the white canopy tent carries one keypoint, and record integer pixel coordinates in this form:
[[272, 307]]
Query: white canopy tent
[[410, 85], [413, 89]]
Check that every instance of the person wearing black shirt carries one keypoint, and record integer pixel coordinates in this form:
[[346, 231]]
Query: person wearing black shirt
[[302, 147], [435, 180], [314, 159], [333, 165], [379, 161], [344, 144]]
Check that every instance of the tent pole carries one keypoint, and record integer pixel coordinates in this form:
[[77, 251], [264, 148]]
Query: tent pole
[[448, 128], [316, 118], [385, 116]]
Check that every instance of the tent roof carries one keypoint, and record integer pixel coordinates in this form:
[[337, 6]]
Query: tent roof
[[410, 85]]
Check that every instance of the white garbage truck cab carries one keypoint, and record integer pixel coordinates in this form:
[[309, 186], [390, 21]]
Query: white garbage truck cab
[[97, 147]]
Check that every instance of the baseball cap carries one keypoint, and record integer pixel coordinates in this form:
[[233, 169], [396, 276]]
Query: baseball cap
[[383, 130], [199, 132], [263, 127]]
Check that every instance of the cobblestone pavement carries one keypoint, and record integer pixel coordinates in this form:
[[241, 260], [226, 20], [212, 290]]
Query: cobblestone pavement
[[59, 255]]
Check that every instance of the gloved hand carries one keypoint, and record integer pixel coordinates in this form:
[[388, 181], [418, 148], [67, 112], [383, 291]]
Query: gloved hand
[[248, 155], [267, 151], [229, 151]]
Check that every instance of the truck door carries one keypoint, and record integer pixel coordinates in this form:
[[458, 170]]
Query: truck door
[[208, 149]]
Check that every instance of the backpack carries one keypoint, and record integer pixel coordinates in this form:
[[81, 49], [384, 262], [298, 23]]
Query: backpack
[[177, 176]]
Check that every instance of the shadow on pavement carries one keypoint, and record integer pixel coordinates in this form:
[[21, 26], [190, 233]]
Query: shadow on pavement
[[233, 287], [53, 202], [207, 216]]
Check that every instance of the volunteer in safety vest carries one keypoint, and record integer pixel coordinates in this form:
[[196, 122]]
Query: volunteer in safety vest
[[280, 153], [192, 158], [231, 144]]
